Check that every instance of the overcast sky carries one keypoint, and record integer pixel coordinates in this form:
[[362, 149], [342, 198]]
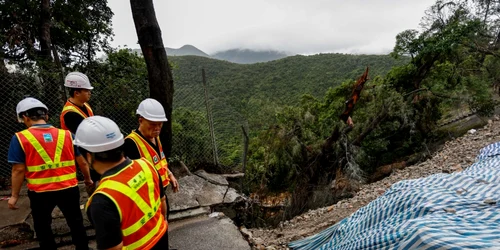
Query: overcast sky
[[293, 26]]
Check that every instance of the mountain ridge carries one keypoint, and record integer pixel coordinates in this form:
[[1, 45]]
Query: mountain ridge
[[236, 55]]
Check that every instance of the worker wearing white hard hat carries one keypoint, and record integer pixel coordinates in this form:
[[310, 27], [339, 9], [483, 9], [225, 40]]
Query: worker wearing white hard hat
[[77, 108], [128, 207], [144, 142], [45, 156]]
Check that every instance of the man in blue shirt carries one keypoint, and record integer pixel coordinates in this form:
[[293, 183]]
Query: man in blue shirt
[[45, 156]]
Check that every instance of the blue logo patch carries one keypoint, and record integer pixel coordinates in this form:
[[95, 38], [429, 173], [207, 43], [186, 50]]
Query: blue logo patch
[[48, 138], [162, 155], [155, 159], [111, 135]]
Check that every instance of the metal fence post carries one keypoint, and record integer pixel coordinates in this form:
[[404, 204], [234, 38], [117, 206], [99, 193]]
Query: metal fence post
[[210, 120]]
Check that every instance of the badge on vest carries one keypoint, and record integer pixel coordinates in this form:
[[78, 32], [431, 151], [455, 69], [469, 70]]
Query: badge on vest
[[155, 159], [162, 155], [137, 181], [48, 138]]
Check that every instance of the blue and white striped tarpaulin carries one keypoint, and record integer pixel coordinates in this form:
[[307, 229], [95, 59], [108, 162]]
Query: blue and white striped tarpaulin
[[442, 211]]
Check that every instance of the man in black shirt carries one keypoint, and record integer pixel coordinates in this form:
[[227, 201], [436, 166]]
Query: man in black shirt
[[130, 191], [73, 119], [76, 108], [145, 141]]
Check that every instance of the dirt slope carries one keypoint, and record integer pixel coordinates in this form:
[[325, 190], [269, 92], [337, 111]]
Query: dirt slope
[[454, 156]]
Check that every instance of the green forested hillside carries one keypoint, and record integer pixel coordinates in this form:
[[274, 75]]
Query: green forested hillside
[[282, 81], [253, 94], [246, 56]]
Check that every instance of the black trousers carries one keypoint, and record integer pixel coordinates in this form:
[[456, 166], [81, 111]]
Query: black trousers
[[68, 201], [162, 244], [168, 205]]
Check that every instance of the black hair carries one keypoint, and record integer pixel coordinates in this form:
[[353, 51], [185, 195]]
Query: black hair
[[109, 156], [35, 114], [72, 92]]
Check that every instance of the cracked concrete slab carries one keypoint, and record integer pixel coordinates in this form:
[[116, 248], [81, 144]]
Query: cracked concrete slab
[[196, 191], [212, 178]]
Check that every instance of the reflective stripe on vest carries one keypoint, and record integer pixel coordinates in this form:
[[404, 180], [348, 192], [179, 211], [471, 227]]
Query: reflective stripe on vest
[[43, 172], [143, 232], [70, 107], [148, 152]]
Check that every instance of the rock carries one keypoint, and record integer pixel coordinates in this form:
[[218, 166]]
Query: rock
[[178, 215], [216, 215], [179, 169], [236, 176], [482, 181], [196, 191], [450, 210], [258, 241], [472, 131], [210, 194], [56, 213], [246, 232], [457, 168], [490, 201], [212, 178], [9, 217], [231, 196], [16, 232], [184, 199]]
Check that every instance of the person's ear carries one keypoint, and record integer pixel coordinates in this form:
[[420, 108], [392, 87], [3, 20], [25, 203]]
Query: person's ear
[[26, 120], [88, 157]]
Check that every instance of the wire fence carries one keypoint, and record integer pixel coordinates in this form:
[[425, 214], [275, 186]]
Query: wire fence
[[206, 131]]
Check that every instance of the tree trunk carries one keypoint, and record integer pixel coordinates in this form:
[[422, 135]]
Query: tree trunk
[[45, 42], [48, 73], [161, 84]]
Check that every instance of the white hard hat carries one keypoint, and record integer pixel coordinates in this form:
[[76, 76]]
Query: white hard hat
[[98, 134], [151, 110], [27, 104], [77, 80]]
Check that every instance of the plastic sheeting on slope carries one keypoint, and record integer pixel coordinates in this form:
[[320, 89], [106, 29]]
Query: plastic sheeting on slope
[[442, 211]]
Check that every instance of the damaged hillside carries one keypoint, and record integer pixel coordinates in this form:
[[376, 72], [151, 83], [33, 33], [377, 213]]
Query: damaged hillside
[[453, 157], [322, 150]]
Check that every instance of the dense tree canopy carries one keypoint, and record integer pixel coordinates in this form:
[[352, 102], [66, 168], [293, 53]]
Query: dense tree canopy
[[78, 29]]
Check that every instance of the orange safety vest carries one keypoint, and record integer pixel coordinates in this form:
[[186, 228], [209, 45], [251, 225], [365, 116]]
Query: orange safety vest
[[50, 158], [148, 152], [70, 107], [136, 194]]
